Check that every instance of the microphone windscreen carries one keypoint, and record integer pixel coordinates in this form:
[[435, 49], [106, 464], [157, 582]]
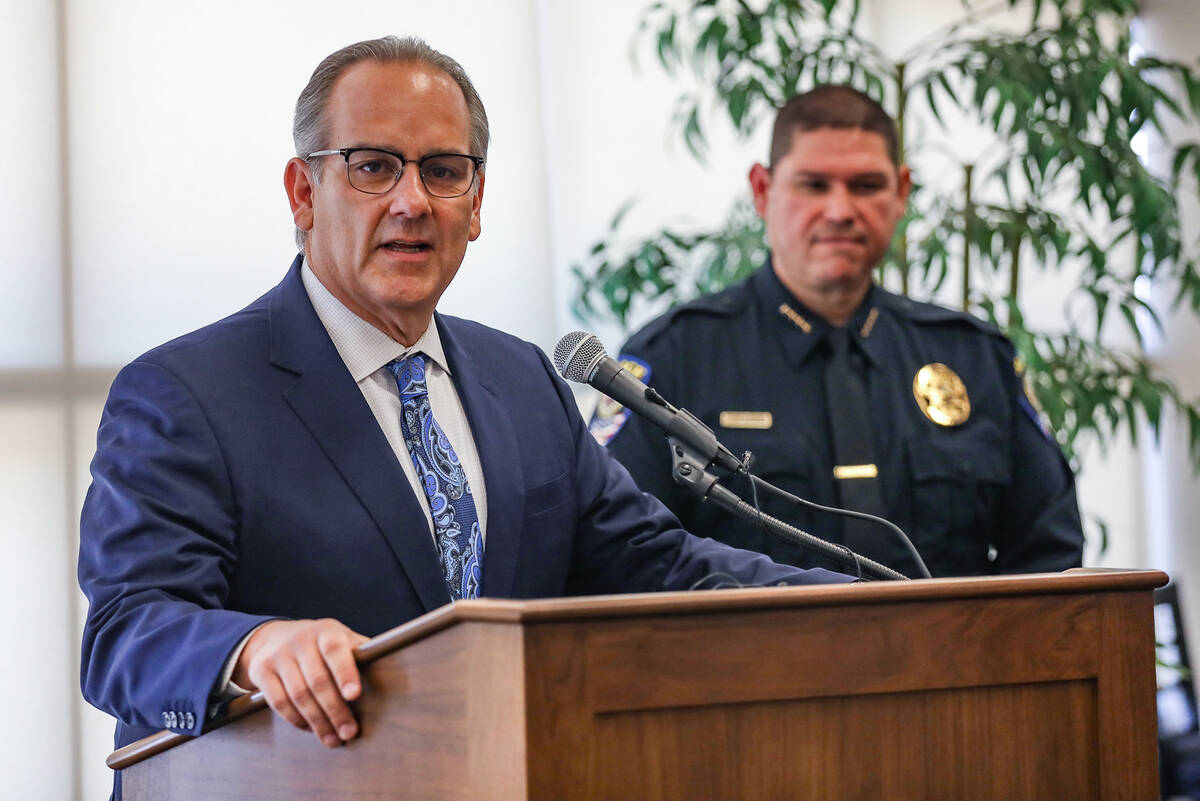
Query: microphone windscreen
[[576, 356]]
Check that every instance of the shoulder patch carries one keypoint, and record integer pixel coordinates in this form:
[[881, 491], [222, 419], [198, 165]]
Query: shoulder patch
[[1028, 401], [610, 416]]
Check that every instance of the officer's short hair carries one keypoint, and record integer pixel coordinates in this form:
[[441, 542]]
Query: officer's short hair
[[831, 106]]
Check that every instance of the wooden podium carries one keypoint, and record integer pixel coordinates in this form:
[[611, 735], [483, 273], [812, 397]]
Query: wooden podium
[[1024, 687]]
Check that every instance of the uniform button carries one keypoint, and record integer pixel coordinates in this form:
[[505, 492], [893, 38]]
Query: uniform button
[[166, 719], [174, 720], [189, 720]]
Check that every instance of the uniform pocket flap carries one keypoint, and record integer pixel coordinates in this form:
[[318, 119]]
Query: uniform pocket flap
[[977, 454]]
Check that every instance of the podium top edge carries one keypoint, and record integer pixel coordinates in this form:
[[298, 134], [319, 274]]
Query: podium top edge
[[498, 610]]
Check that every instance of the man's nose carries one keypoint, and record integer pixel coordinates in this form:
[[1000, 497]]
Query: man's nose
[[839, 204], [408, 197]]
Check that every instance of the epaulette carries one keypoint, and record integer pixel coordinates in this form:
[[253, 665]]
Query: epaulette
[[725, 303], [930, 313]]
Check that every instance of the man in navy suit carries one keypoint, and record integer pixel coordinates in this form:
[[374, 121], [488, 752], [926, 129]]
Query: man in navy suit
[[258, 507]]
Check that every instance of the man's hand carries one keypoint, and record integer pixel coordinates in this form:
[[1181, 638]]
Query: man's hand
[[306, 671]]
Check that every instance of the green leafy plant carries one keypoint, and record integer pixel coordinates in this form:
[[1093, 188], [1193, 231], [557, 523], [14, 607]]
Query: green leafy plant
[[1058, 186]]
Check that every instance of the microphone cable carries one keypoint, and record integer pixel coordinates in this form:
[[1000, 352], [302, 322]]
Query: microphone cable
[[755, 481], [745, 469]]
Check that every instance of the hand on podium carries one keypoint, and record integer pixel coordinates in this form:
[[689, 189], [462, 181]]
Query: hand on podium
[[307, 673]]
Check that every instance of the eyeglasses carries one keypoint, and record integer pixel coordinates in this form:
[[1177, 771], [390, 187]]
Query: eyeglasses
[[377, 171]]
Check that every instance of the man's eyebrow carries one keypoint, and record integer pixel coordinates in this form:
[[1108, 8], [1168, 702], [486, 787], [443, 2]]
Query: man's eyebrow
[[813, 173], [437, 151], [858, 176], [372, 146]]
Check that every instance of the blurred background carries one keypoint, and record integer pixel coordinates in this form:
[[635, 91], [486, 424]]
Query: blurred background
[[143, 197]]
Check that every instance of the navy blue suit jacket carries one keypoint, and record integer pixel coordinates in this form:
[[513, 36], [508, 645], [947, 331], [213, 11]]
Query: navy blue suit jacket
[[240, 476]]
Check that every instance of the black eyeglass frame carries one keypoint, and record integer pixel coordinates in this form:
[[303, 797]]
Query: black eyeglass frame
[[346, 152]]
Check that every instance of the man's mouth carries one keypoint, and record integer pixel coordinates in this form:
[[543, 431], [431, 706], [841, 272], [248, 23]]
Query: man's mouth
[[406, 246]]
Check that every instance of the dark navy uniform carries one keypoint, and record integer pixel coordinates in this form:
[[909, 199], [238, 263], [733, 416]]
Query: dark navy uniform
[[972, 476]]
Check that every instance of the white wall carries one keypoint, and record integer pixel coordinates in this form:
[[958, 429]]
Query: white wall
[[38, 689], [610, 138], [176, 131], [180, 128], [29, 205]]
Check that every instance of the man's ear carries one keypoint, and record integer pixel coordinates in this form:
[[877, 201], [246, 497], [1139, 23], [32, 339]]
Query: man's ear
[[904, 186], [760, 186], [298, 181], [476, 203]]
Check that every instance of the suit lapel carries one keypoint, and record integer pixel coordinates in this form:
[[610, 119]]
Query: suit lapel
[[333, 409], [496, 444]]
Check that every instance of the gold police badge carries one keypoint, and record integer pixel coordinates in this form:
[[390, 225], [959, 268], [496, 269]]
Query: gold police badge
[[941, 395]]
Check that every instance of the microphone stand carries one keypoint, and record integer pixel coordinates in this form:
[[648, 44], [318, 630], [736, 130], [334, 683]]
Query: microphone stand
[[689, 469]]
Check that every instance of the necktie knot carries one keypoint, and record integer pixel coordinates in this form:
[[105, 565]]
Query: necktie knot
[[839, 341], [410, 375]]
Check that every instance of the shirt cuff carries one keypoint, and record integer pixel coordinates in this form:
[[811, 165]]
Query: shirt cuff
[[225, 688]]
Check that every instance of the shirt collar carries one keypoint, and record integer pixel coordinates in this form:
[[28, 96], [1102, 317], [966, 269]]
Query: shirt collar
[[802, 329], [362, 346]]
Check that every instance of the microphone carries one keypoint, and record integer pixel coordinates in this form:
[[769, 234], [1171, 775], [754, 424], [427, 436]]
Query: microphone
[[580, 357]]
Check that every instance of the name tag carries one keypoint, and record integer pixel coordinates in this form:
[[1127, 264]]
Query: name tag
[[845, 471], [760, 420]]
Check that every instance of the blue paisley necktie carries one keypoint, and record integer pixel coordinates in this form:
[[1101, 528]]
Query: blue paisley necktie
[[455, 522]]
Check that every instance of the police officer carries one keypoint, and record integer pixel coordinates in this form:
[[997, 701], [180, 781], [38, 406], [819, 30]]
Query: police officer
[[844, 393]]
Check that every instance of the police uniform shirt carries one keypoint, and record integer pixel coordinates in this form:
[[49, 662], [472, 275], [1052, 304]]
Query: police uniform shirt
[[965, 467]]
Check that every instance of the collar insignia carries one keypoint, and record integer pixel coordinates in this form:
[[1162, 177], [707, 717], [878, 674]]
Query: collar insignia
[[867, 326], [797, 320]]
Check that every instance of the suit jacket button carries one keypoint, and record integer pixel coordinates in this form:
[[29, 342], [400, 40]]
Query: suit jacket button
[[166, 719], [189, 720], [174, 720]]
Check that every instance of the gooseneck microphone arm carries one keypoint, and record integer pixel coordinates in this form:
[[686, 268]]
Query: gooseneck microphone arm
[[691, 475]]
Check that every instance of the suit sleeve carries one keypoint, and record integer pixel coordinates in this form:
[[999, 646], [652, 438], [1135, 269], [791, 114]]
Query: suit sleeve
[[627, 541], [1041, 530], [157, 547]]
